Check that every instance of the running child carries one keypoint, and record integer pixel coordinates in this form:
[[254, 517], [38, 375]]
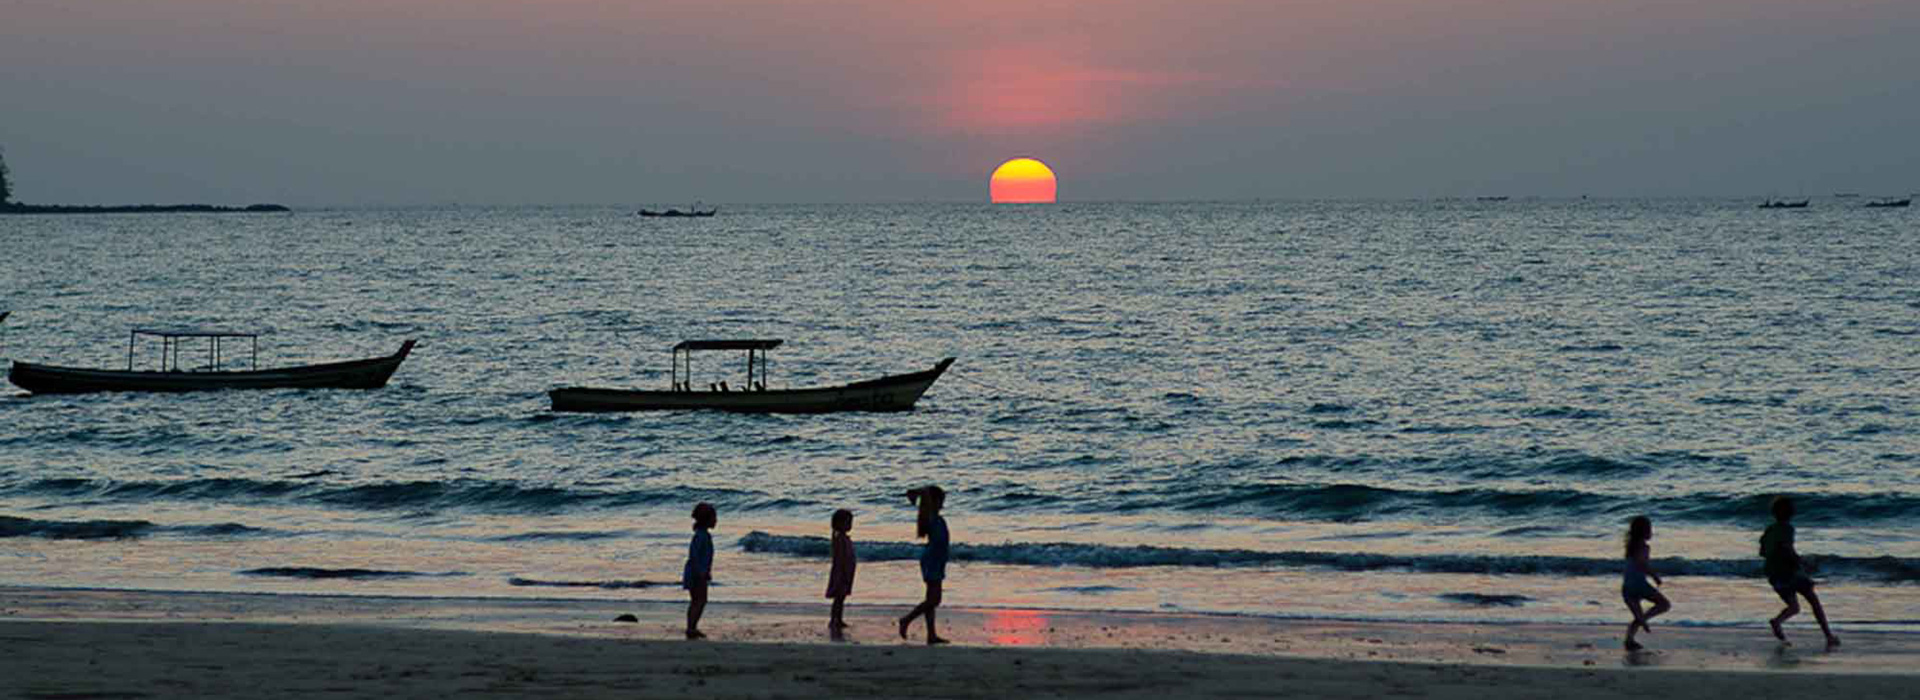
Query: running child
[[1787, 573], [1634, 587]]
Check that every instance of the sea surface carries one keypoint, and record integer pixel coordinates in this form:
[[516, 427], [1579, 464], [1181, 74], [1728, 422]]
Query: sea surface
[[1394, 410]]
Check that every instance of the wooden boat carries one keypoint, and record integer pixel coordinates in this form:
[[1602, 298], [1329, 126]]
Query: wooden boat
[[1875, 204], [891, 393], [354, 374], [1783, 204]]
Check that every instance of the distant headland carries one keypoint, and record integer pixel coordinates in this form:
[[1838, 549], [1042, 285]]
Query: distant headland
[[16, 208], [8, 206]]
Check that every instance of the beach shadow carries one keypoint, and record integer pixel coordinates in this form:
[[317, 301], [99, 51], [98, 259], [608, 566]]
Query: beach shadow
[[1644, 658], [1783, 657], [1787, 657]]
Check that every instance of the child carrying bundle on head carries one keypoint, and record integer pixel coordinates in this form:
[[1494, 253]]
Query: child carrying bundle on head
[[933, 559]]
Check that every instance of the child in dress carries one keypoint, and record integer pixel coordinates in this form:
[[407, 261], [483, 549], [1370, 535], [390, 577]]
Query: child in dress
[[1787, 574], [933, 559], [1634, 587], [699, 570], [840, 579]]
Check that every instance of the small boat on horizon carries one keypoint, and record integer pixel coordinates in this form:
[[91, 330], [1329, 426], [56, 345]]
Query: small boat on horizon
[[690, 212], [1784, 204], [890, 393], [1886, 203], [370, 373]]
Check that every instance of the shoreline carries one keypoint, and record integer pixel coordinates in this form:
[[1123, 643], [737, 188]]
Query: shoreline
[[1493, 643], [98, 643]]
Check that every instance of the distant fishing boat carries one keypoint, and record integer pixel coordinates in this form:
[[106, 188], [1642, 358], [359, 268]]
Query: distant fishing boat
[[1784, 204], [1497, 198], [1876, 204], [689, 212], [890, 393], [170, 377]]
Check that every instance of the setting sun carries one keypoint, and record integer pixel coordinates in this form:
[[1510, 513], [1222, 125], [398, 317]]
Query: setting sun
[[1022, 181]]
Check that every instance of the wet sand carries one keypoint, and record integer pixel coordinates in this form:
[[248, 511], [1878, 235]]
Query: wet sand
[[66, 643]]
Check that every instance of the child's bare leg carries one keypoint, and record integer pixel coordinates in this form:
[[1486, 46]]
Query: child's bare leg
[[695, 608], [907, 621], [933, 603], [1639, 620], [1820, 613], [931, 637], [1792, 609], [1660, 606]]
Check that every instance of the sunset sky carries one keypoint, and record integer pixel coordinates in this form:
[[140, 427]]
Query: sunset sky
[[313, 102]]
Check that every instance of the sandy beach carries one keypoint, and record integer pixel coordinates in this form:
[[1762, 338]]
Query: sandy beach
[[116, 644]]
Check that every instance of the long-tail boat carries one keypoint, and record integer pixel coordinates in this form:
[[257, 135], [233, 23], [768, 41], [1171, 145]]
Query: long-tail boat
[[171, 376], [890, 393]]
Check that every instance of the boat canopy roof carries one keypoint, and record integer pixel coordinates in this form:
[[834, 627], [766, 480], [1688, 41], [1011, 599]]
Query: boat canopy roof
[[748, 344], [194, 333]]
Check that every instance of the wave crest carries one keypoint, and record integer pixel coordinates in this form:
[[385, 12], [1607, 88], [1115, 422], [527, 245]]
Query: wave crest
[[1885, 568]]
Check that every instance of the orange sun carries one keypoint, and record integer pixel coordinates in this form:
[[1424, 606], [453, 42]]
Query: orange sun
[[1022, 181]]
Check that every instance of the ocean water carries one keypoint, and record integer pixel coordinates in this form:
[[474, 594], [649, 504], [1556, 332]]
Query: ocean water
[[1422, 410]]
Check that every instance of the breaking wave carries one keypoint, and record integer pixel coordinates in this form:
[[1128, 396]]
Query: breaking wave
[[1888, 568], [114, 529]]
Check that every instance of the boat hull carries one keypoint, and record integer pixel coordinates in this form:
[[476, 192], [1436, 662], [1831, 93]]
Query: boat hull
[[892, 393], [354, 374]]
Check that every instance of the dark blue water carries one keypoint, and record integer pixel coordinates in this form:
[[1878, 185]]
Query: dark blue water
[[1349, 408]]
